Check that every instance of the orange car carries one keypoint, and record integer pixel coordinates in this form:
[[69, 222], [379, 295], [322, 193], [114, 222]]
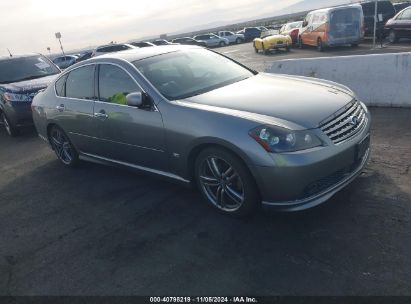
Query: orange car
[[333, 27]]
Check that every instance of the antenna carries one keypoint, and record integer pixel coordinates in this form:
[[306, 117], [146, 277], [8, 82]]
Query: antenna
[[11, 55]]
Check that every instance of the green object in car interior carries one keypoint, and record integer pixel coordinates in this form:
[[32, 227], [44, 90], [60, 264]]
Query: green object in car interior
[[119, 98]]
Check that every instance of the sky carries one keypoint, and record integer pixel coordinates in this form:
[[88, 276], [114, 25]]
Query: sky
[[30, 25]]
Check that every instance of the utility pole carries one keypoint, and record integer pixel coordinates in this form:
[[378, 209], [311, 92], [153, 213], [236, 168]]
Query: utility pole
[[375, 23], [58, 36]]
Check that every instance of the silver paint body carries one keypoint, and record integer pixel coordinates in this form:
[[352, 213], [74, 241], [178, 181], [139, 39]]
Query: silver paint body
[[166, 139]]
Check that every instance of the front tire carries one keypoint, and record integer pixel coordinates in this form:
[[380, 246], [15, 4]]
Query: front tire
[[320, 46], [10, 129], [226, 183], [265, 51], [222, 43], [300, 43], [393, 37], [63, 148]]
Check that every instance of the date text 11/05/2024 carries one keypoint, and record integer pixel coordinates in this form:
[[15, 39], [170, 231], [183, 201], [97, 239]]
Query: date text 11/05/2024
[[203, 300]]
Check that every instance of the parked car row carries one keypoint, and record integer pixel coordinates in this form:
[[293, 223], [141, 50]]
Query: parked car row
[[341, 25]]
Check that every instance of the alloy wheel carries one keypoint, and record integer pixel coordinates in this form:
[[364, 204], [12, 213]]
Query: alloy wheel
[[62, 146], [221, 184]]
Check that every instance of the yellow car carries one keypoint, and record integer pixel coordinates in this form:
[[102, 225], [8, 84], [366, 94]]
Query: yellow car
[[272, 42]]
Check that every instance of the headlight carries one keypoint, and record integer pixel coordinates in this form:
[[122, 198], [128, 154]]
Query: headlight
[[17, 97], [276, 139]]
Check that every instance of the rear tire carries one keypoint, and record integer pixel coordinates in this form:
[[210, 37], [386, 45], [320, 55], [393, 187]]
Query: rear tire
[[226, 183], [62, 146], [238, 40], [222, 43], [10, 129]]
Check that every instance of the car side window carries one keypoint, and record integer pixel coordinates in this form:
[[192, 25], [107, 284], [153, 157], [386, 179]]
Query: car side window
[[115, 84], [80, 83], [61, 86]]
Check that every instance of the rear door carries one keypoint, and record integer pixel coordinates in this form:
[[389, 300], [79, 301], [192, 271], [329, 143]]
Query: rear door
[[74, 108], [127, 134]]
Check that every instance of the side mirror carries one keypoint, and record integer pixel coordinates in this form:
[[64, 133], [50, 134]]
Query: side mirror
[[135, 99], [305, 23]]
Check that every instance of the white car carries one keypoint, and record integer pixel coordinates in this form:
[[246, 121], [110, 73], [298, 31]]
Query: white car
[[232, 37], [111, 48], [212, 40]]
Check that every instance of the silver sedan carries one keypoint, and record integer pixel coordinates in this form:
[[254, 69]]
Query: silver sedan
[[245, 139]]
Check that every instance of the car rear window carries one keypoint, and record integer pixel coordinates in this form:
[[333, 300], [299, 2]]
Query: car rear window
[[25, 68]]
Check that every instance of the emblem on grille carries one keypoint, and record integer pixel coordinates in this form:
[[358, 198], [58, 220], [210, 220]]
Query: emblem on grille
[[354, 120]]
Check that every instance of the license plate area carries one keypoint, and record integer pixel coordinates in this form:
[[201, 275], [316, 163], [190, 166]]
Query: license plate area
[[362, 148]]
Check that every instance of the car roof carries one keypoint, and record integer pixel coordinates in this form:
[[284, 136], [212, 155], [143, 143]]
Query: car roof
[[330, 9], [142, 53], [113, 44], [66, 56]]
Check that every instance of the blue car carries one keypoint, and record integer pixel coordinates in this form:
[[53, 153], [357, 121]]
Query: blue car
[[21, 78]]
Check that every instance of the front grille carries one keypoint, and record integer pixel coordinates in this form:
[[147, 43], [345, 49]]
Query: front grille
[[345, 123]]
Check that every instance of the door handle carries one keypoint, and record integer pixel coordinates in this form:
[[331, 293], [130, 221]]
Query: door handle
[[101, 115], [60, 108]]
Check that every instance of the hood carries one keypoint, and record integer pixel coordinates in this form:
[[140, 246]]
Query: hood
[[28, 86], [299, 100]]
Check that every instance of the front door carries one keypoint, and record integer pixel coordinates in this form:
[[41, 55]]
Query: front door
[[126, 133]]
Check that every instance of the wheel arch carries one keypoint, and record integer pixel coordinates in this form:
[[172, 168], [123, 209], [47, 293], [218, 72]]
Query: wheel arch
[[200, 146], [53, 123]]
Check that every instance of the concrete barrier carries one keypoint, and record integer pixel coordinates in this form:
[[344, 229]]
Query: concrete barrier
[[377, 79]]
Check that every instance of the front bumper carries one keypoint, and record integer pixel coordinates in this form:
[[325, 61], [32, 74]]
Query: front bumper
[[317, 199], [19, 113], [305, 179], [278, 46]]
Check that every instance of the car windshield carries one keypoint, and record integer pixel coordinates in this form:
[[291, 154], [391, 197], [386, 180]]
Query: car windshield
[[25, 68], [293, 25], [187, 73]]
